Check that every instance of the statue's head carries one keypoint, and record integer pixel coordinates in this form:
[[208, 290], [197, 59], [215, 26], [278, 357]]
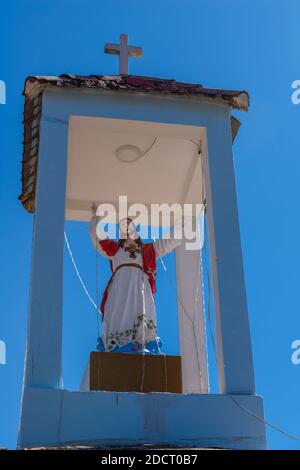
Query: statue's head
[[128, 229]]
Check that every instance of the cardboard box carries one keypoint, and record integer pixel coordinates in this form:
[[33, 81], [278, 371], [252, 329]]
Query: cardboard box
[[125, 372]]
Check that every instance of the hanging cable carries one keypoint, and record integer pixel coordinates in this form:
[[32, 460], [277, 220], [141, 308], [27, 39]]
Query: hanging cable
[[97, 288], [78, 274], [234, 400], [268, 423], [192, 320], [144, 326], [210, 326], [206, 260]]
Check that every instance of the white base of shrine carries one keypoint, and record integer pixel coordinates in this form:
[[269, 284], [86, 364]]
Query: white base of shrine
[[54, 417]]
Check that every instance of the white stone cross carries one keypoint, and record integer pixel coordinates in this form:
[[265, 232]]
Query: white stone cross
[[124, 52]]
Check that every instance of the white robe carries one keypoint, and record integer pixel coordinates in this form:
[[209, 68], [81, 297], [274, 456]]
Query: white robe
[[130, 312], [130, 307]]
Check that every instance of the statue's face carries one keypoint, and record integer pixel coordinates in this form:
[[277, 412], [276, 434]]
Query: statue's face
[[127, 229]]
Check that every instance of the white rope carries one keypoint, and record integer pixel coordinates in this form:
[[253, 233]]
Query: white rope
[[97, 290], [206, 260], [259, 418], [78, 274], [236, 402], [174, 287], [208, 297], [268, 423], [192, 320], [144, 335]]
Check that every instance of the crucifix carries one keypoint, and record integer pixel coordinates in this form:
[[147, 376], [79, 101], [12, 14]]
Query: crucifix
[[124, 51]]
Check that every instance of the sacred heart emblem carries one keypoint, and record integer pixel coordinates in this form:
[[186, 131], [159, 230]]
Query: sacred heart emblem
[[132, 248]]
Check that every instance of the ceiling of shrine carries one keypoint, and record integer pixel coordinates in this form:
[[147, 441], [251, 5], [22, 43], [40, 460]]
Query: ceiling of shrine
[[147, 162]]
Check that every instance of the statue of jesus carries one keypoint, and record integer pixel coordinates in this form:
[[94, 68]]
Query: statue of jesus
[[128, 305]]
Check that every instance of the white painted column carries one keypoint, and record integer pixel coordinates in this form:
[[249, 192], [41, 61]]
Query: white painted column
[[192, 335], [44, 340], [235, 363]]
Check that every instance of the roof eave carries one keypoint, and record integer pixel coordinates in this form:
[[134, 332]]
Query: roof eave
[[36, 85]]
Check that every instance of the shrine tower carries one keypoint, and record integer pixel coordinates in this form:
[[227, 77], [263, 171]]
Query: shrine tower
[[72, 125]]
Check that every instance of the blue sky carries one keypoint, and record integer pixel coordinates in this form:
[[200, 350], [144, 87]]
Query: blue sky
[[252, 45]]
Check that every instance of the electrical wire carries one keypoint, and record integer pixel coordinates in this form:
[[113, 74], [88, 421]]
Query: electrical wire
[[97, 288], [192, 320], [233, 399], [78, 274]]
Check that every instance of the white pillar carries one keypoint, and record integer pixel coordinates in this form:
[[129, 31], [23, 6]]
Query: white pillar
[[235, 364], [43, 355], [192, 336]]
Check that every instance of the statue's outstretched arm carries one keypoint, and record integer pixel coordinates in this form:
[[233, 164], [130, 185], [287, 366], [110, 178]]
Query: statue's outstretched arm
[[105, 247], [168, 244]]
